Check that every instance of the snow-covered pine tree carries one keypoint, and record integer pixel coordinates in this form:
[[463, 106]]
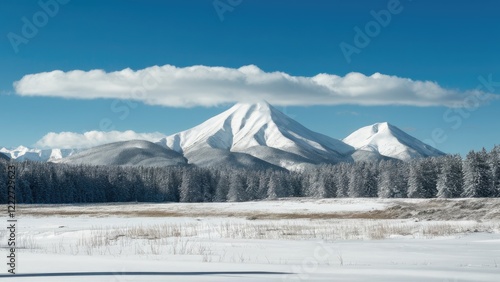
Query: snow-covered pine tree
[[207, 185], [356, 181], [422, 178], [371, 174], [237, 187], [363, 180], [190, 190], [252, 185], [295, 185], [305, 183], [118, 180], [222, 187], [314, 184], [263, 184], [494, 162], [450, 180], [328, 173], [341, 178], [275, 187], [136, 187], [477, 175], [393, 179], [65, 185], [416, 188]]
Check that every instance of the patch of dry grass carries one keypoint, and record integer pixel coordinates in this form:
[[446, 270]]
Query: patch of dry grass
[[431, 209], [195, 238]]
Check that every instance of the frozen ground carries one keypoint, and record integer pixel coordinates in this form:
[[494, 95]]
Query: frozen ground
[[298, 240]]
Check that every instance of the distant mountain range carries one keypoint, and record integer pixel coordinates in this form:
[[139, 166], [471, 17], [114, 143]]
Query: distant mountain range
[[22, 153], [248, 136]]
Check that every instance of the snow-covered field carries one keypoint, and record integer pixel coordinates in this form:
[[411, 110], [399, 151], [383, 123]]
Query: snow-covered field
[[299, 240]]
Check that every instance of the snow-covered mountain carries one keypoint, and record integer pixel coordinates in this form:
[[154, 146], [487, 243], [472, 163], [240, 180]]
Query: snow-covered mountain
[[127, 153], [390, 141], [22, 153], [261, 131], [250, 136]]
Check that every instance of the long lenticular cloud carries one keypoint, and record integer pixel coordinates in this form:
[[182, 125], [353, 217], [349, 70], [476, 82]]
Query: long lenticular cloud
[[208, 86]]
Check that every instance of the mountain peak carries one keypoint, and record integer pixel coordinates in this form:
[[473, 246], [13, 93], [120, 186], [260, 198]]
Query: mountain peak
[[22, 148], [390, 141], [258, 127], [260, 106], [381, 126]]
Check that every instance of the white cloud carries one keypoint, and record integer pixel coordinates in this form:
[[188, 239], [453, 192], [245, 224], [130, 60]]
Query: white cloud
[[207, 86], [72, 140]]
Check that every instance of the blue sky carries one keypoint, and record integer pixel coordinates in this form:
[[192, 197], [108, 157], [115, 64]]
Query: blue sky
[[449, 45]]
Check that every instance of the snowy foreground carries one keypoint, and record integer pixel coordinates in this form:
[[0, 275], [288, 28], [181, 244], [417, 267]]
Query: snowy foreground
[[287, 240]]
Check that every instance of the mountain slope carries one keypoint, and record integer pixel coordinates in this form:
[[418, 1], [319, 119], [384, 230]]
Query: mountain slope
[[390, 141], [210, 157], [4, 157], [128, 153], [253, 129]]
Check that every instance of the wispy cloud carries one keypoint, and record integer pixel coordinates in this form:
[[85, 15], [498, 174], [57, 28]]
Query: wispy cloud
[[72, 140], [208, 86], [347, 113]]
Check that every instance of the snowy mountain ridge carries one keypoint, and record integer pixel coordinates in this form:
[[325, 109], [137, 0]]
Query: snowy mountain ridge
[[245, 128], [247, 125], [22, 153], [246, 135]]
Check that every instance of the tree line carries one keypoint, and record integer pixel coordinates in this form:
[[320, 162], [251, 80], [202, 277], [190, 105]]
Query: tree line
[[451, 176]]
